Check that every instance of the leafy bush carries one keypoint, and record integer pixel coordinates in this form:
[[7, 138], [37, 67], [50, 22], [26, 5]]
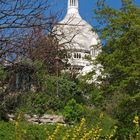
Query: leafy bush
[[73, 111], [34, 103]]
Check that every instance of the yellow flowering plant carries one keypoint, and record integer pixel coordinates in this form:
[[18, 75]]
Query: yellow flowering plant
[[80, 131]]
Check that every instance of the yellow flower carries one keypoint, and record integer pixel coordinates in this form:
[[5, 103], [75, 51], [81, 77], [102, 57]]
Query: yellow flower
[[101, 115], [136, 120], [17, 124]]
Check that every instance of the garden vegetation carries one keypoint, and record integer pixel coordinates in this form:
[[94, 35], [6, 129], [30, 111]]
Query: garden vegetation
[[109, 111]]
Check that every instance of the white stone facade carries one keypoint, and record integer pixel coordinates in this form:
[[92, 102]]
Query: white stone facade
[[77, 36]]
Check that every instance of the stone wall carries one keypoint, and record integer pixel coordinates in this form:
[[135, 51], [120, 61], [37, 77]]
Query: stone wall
[[45, 119]]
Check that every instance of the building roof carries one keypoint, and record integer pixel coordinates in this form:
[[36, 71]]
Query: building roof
[[76, 30]]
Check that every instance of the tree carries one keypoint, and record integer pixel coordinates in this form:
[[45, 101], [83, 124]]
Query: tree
[[52, 54], [17, 20], [120, 56], [27, 34], [73, 111], [21, 24], [120, 31]]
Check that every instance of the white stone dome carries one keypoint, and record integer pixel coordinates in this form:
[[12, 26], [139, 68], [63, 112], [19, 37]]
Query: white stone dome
[[78, 31], [77, 35]]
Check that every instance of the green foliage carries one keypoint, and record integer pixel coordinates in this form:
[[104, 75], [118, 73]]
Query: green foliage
[[20, 130], [73, 111], [7, 131], [2, 74], [125, 112], [120, 56], [118, 96], [90, 93], [56, 92], [62, 87], [94, 116], [34, 103], [8, 104], [96, 96]]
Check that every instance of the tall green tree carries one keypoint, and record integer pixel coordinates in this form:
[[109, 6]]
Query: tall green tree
[[120, 58], [120, 31]]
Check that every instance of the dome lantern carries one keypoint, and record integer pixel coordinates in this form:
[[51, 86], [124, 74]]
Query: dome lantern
[[72, 6]]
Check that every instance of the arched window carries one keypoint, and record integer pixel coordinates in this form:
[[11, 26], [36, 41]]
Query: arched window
[[79, 55], [74, 55]]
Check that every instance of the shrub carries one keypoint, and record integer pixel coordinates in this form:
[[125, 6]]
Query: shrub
[[7, 131], [94, 116], [73, 111]]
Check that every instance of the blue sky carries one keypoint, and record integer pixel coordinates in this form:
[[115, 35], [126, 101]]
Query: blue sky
[[86, 8]]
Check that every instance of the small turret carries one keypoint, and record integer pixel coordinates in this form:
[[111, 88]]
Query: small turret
[[72, 6]]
